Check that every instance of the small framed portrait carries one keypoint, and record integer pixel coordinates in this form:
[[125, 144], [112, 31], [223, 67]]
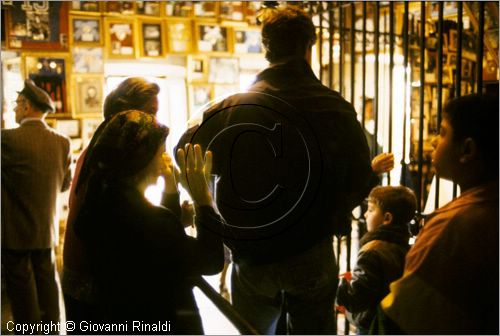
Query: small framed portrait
[[198, 68], [212, 38], [68, 127], [223, 70], [199, 95], [120, 38], [247, 41], [89, 127], [120, 7], [36, 25], [179, 37], [231, 10], [86, 30], [89, 7], [88, 95], [205, 9], [88, 60], [179, 9], [150, 8], [49, 71], [151, 36]]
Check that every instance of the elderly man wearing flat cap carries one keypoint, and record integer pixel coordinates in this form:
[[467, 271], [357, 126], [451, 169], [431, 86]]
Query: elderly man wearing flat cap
[[35, 168]]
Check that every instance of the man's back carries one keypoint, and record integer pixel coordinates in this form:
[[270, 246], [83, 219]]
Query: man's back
[[298, 163], [35, 168]]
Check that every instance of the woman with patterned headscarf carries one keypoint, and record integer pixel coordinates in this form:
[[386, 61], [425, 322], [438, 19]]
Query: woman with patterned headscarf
[[139, 253]]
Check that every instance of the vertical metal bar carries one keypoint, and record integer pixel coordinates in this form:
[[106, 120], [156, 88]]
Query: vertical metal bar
[[480, 49], [439, 86], [341, 49], [320, 51], [458, 70], [353, 48], [363, 67], [421, 106], [375, 98], [405, 112], [331, 31], [391, 76]]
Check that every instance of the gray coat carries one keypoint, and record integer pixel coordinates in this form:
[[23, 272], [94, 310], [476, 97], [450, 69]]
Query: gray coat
[[35, 168]]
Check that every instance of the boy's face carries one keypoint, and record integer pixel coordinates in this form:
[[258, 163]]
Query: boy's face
[[374, 216], [446, 154]]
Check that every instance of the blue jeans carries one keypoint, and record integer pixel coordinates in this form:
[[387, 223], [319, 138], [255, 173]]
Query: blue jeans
[[306, 282]]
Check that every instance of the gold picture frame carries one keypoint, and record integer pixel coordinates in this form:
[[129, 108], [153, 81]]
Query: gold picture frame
[[179, 36], [183, 9], [50, 71], [197, 68], [213, 38], [206, 9], [89, 126], [85, 30], [200, 95], [149, 8], [119, 7], [152, 38], [232, 10], [86, 7], [68, 127], [30, 26], [120, 38], [88, 95], [88, 59], [247, 41]]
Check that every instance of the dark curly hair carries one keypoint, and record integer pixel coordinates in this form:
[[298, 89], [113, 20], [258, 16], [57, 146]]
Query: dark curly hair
[[398, 200], [286, 32]]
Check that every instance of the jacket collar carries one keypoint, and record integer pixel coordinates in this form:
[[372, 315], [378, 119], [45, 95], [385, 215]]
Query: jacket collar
[[32, 121], [292, 67]]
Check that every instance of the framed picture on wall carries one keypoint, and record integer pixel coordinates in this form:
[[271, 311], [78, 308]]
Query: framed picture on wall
[[89, 95], [89, 127], [86, 30], [36, 25], [89, 7], [179, 8], [151, 36], [205, 9], [212, 38], [120, 38], [198, 68], [179, 36], [151, 8], [87, 60], [68, 127], [247, 41], [199, 96], [120, 7], [49, 71], [231, 10], [223, 70]]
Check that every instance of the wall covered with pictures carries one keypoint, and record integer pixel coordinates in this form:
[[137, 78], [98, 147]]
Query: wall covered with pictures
[[65, 46]]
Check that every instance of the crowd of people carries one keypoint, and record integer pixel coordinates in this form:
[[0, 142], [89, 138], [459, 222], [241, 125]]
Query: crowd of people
[[273, 174]]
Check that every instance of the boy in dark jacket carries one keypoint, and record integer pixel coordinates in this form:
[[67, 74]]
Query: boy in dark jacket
[[382, 255]]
